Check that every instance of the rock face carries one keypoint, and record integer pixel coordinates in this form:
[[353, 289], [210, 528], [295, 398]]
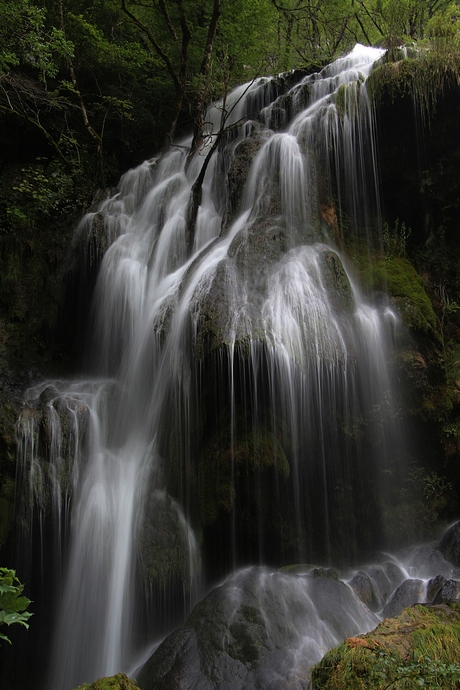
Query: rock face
[[409, 592], [375, 584], [252, 631], [449, 545], [166, 544]]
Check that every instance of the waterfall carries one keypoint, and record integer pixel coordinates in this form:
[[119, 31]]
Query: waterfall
[[239, 408]]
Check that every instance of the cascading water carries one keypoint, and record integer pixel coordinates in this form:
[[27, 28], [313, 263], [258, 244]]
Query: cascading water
[[245, 412]]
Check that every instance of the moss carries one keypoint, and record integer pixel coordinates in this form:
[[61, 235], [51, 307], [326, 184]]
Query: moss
[[118, 682], [340, 99], [423, 78], [164, 547], [253, 453], [404, 285], [347, 98], [421, 644]]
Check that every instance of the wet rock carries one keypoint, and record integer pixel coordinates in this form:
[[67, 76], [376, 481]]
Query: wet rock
[[166, 544], [49, 394], [101, 195], [434, 586], [325, 572], [449, 545], [408, 593], [382, 584], [393, 572], [252, 632], [362, 586], [427, 562], [374, 584], [244, 153], [450, 591]]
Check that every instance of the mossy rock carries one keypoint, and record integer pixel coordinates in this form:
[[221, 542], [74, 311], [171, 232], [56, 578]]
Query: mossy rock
[[423, 78], [164, 547], [244, 154], [118, 682], [347, 97], [421, 644], [255, 452], [397, 277]]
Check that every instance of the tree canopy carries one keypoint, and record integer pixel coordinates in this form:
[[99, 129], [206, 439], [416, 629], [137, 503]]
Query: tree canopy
[[91, 87]]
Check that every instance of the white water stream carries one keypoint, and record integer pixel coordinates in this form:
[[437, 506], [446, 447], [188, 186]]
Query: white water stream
[[295, 308]]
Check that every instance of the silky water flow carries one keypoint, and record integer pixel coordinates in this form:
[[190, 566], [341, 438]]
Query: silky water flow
[[257, 338]]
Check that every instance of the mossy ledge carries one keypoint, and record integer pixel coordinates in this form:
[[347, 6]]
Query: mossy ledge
[[424, 77], [421, 644], [118, 682]]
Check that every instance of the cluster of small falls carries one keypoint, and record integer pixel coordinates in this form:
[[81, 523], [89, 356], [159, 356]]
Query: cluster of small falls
[[216, 434]]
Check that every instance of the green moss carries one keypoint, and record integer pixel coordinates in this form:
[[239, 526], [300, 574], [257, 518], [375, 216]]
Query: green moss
[[118, 682], [164, 546], [420, 647], [340, 99], [347, 98], [255, 452], [423, 78], [398, 278]]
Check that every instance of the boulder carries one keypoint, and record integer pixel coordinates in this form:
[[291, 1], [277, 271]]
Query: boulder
[[449, 545], [426, 562], [252, 632], [434, 586], [408, 593], [363, 587], [450, 591]]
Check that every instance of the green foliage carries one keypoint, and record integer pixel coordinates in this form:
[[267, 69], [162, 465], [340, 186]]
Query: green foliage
[[13, 605], [435, 488], [418, 501], [443, 31], [417, 649], [395, 240], [26, 40], [37, 191], [389, 671], [118, 682], [423, 78]]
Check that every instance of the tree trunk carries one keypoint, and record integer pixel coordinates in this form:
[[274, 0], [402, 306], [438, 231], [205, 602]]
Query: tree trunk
[[93, 134]]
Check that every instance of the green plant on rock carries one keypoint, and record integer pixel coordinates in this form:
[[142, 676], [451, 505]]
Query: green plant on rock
[[423, 78], [13, 605], [390, 671], [396, 276], [419, 648], [395, 239], [118, 682], [419, 502]]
